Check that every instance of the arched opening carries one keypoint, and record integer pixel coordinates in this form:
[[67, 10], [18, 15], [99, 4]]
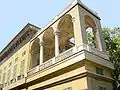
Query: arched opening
[[35, 53], [49, 44], [90, 31], [65, 26], [90, 37]]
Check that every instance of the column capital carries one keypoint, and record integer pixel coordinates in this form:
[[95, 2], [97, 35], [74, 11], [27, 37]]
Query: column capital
[[95, 29], [57, 33], [41, 43], [73, 19]]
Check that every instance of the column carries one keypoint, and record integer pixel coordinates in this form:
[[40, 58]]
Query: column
[[57, 33], [79, 27], [41, 53], [100, 40], [97, 38]]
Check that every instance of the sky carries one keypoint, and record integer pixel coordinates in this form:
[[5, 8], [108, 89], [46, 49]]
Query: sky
[[15, 14]]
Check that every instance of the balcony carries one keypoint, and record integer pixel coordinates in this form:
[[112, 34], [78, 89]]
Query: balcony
[[19, 80], [68, 54]]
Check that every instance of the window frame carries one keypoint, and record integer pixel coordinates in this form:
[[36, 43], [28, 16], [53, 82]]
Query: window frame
[[99, 70]]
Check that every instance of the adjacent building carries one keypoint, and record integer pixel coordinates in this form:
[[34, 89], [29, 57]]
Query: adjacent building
[[67, 54]]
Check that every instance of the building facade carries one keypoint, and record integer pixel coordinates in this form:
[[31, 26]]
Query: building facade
[[67, 54]]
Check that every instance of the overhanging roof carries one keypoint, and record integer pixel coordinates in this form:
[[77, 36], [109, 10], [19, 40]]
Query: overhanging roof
[[27, 26]]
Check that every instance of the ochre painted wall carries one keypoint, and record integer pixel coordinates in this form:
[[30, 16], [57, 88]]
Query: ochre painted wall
[[11, 60]]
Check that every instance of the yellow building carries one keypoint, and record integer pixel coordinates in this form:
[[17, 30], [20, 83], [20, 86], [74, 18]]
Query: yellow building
[[67, 54]]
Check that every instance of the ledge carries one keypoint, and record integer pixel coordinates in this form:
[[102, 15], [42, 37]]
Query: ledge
[[67, 58], [76, 54], [89, 53], [17, 83]]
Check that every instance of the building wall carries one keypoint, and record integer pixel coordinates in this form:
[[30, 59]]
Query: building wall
[[84, 82], [63, 81], [74, 70], [79, 84], [94, 83], [91, 67], [16, 59]]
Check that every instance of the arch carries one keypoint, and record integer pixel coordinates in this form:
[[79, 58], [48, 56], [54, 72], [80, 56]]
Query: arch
[[90, 27], [65, 27], [49, 44], [35, 53], [89, 22]]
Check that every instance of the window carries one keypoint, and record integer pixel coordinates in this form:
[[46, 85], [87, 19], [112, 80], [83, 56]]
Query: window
[[0, 71], [8, 75], [10, 64], [0, 78], [91, 30], [101, 88], [22, 67], [4, 68], [69, 88], [16, 59], [0, 74], [90, 37], [3, 79], [14, 71], [23, 54], [99, 71]]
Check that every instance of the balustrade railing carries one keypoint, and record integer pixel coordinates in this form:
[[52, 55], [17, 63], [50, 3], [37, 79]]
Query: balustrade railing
[[98, 52], [34, 70], [46, 64], [93, 50], [50, 62], [65, 55], [59, 58]]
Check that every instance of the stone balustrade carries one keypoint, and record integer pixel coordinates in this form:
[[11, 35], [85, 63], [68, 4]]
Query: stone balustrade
[[66, 54], [62, 56], [93, 50], [46, 64], [33, 70]]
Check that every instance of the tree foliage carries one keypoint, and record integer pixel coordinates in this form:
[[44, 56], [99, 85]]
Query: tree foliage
[[112, 39]]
